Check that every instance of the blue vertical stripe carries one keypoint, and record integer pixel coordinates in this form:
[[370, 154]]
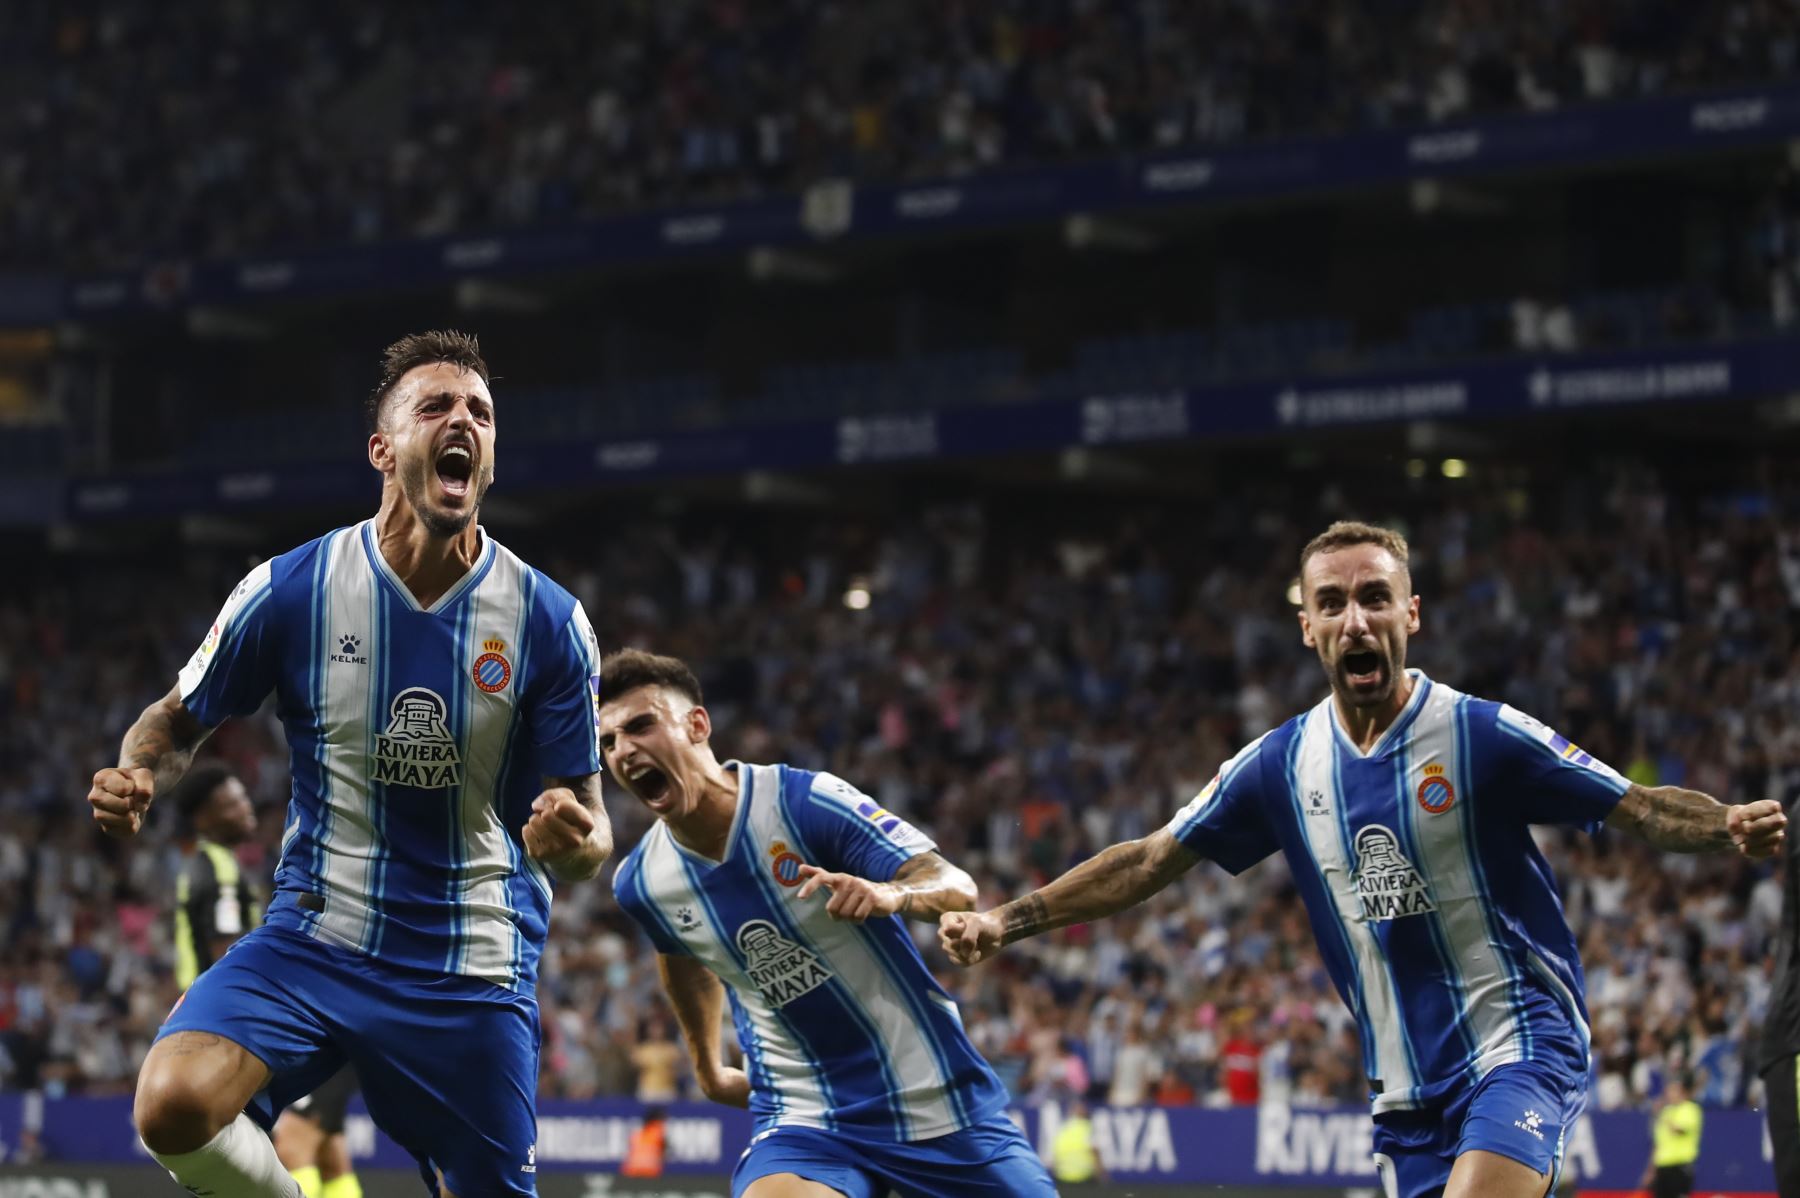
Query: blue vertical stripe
[[1338, 753], [1440, 940], [1478, 868], [1334, 919], [847, 998], [878, 936], [315, 694], [806, 1042], [458, 719]]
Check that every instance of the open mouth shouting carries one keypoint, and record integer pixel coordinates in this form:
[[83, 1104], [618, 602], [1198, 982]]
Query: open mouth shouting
[[1363, 669], [650, 784], [455, 467]]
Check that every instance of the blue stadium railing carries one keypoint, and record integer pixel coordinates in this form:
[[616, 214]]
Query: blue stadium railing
[[1040, 420]]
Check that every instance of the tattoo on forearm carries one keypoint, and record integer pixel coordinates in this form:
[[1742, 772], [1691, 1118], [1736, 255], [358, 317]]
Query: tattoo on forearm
[[1025, 917], [1112, 880], [1676, 820], [159, 744]]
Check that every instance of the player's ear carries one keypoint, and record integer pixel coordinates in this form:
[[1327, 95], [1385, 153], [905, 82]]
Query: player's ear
[[1412, 614], [699, 726], [381, 452], [1306, 636]]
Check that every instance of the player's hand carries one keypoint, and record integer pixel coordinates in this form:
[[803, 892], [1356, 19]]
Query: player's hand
[[970, 937], [120, 798], [726, 1085], [853, 899], [559, 826], [1757, 829]]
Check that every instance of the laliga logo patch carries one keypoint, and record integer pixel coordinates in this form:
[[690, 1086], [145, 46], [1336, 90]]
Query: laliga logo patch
[[784, 864], [492, 671], [1435, 792]]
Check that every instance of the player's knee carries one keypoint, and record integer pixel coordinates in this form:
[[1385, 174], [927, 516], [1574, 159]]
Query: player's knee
[[174, 1115]]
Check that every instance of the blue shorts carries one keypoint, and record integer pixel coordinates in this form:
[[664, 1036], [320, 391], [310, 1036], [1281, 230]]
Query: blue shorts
[[990, 1160], [1522, 1111], [448, 1064]]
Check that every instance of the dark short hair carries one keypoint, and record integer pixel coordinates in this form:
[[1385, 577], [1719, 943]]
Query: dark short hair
[[628, 669], [423, 349], [1346, 533], [196, 788]]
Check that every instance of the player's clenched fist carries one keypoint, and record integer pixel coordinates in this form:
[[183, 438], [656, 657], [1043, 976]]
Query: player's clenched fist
[[1756, 828], [970, 937], [559, 825], [120, 797]]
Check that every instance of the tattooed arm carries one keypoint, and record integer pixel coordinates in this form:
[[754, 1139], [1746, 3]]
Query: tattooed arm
[[568, 830], [1686, 821], [925, 888], [156, 752], [1110, 881]]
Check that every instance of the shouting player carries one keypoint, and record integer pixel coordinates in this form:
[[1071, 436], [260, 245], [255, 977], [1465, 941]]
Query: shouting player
[[791, 888], [437, 696], [1404, 811]]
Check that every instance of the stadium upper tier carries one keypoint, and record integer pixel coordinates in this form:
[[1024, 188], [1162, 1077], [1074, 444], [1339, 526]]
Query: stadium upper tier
[[131, 132]]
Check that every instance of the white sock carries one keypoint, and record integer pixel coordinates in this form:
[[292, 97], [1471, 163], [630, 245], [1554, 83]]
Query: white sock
[[239, 1162]]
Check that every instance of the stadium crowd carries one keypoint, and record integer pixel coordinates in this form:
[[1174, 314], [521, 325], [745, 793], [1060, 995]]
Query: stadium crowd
[[131, 131], [1029, 682]]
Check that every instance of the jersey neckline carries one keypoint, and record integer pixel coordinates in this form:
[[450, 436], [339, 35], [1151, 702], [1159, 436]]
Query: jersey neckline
[[462, 586], [746, 786], [1388, 739]]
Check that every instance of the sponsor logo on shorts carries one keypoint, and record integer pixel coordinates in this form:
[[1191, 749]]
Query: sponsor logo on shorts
[[1532, 1123], [530, 1165]]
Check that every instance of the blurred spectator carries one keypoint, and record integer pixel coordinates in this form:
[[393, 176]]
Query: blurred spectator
[[131, 133]]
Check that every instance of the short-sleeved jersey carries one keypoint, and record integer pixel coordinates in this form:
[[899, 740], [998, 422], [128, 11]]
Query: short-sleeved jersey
[[1434, 911], [419, 738], [214, 898], [843, 1027]]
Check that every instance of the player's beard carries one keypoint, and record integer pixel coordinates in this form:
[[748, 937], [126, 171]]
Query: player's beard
[[415, 484]]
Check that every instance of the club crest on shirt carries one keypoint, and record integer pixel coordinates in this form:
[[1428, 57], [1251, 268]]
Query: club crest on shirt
[[492, 671], [1389, 885], [1436, 794], [778, 967], [785, 864], [417, 749]]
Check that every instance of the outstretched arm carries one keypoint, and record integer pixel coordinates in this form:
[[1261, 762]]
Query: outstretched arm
[[1687, 821], [925, 888], [568, 830], [1110, 881], [156, 752], [699, 1001]]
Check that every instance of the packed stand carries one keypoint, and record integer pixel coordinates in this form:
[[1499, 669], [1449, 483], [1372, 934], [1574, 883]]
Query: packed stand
[[1031, 684], [132, 131]]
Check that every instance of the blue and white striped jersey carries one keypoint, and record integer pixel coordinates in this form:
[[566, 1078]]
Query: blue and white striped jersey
[[1434, 911], [842, 1025], [419, 738]]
